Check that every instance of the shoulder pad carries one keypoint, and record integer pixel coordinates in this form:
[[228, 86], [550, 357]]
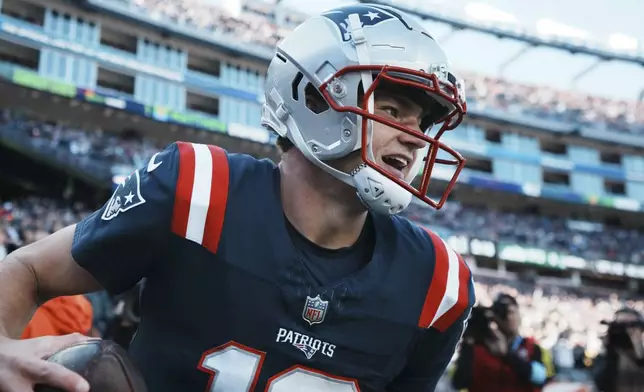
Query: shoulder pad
[[451, 292]]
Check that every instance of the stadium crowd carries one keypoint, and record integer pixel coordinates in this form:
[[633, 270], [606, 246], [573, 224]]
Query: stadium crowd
[[551, 314], [83, 144], [551, 233], [30, 219], [483, 91]]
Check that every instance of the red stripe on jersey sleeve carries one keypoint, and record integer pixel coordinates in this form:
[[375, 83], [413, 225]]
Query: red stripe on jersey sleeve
[[218, 198], [438, 285], [183, 191], [464, 276]]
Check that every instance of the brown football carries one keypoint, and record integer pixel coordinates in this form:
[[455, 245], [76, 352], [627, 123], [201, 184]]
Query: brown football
[[104, 364]]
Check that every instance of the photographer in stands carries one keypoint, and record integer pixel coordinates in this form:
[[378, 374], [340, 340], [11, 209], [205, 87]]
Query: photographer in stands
[[494, 357], [621, 368]]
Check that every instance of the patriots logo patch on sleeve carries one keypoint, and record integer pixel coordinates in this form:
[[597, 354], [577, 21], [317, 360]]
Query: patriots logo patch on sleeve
[[126, 196]]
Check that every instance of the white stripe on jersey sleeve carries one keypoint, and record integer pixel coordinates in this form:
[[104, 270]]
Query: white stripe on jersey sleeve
[[450, 298], [200, 201]]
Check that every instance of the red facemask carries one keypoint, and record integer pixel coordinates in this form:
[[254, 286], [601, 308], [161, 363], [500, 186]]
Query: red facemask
[[446, 92]]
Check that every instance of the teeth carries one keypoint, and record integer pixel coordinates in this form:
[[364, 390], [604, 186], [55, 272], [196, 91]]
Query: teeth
[[402, 161]]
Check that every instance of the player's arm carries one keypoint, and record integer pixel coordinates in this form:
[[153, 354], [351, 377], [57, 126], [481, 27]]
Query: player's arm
[[429, 359], [445, 312], [36, 273], [113, 248], [444, 325]]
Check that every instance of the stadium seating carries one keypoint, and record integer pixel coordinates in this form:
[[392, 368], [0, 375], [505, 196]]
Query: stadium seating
[[86, 145], [483, 92]]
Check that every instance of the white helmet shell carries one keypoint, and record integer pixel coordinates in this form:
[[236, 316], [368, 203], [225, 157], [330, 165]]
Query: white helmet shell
[[340, 55]]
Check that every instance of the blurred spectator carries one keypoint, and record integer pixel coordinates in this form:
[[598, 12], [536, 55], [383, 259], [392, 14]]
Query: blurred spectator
[[495, 356], [563, 355], [61, 316], [621, 367]]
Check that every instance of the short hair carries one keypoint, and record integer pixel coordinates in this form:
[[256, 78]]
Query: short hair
[[284, 144], [502, 303]]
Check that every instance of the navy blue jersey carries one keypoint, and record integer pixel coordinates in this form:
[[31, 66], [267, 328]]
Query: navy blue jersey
[[229, 304]]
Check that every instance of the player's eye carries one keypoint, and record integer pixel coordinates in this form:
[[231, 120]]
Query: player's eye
[[391, 111]]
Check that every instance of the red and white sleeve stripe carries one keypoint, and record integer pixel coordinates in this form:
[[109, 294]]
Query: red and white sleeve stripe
[[201, 194], [449, 292]]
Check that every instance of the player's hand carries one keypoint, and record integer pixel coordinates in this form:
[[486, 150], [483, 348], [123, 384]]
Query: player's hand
[[497, 343], [22, 365], [635, 335]]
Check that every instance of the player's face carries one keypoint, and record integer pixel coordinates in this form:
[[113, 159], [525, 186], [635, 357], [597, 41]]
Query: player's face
[[512, 322], [630, 318], [393, 149]]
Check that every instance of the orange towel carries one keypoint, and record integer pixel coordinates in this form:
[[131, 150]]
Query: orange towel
[[61, 316]]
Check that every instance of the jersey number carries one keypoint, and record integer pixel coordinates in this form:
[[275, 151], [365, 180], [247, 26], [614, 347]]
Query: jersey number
[[235, 368]]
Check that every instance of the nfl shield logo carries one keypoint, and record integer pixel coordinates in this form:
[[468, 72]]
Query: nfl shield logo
[[314, 310]]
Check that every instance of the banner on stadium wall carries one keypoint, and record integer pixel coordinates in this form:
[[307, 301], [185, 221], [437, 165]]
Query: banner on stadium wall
[[614, 268], [557, 260], [465, 245], [31, 79], [471, 246], [514, 253], [537, 256], [190, 119]]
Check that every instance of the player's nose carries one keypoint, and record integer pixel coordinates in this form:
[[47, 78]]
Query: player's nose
[[412, 141]]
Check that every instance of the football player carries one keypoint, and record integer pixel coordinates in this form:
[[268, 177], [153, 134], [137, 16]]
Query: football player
[[291, 277]]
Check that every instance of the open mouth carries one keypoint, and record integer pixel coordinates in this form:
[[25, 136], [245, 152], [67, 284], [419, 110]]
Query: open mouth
[[396, 165]]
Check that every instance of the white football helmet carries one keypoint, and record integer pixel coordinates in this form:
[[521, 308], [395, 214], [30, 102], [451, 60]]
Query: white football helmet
[[343, 55]]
